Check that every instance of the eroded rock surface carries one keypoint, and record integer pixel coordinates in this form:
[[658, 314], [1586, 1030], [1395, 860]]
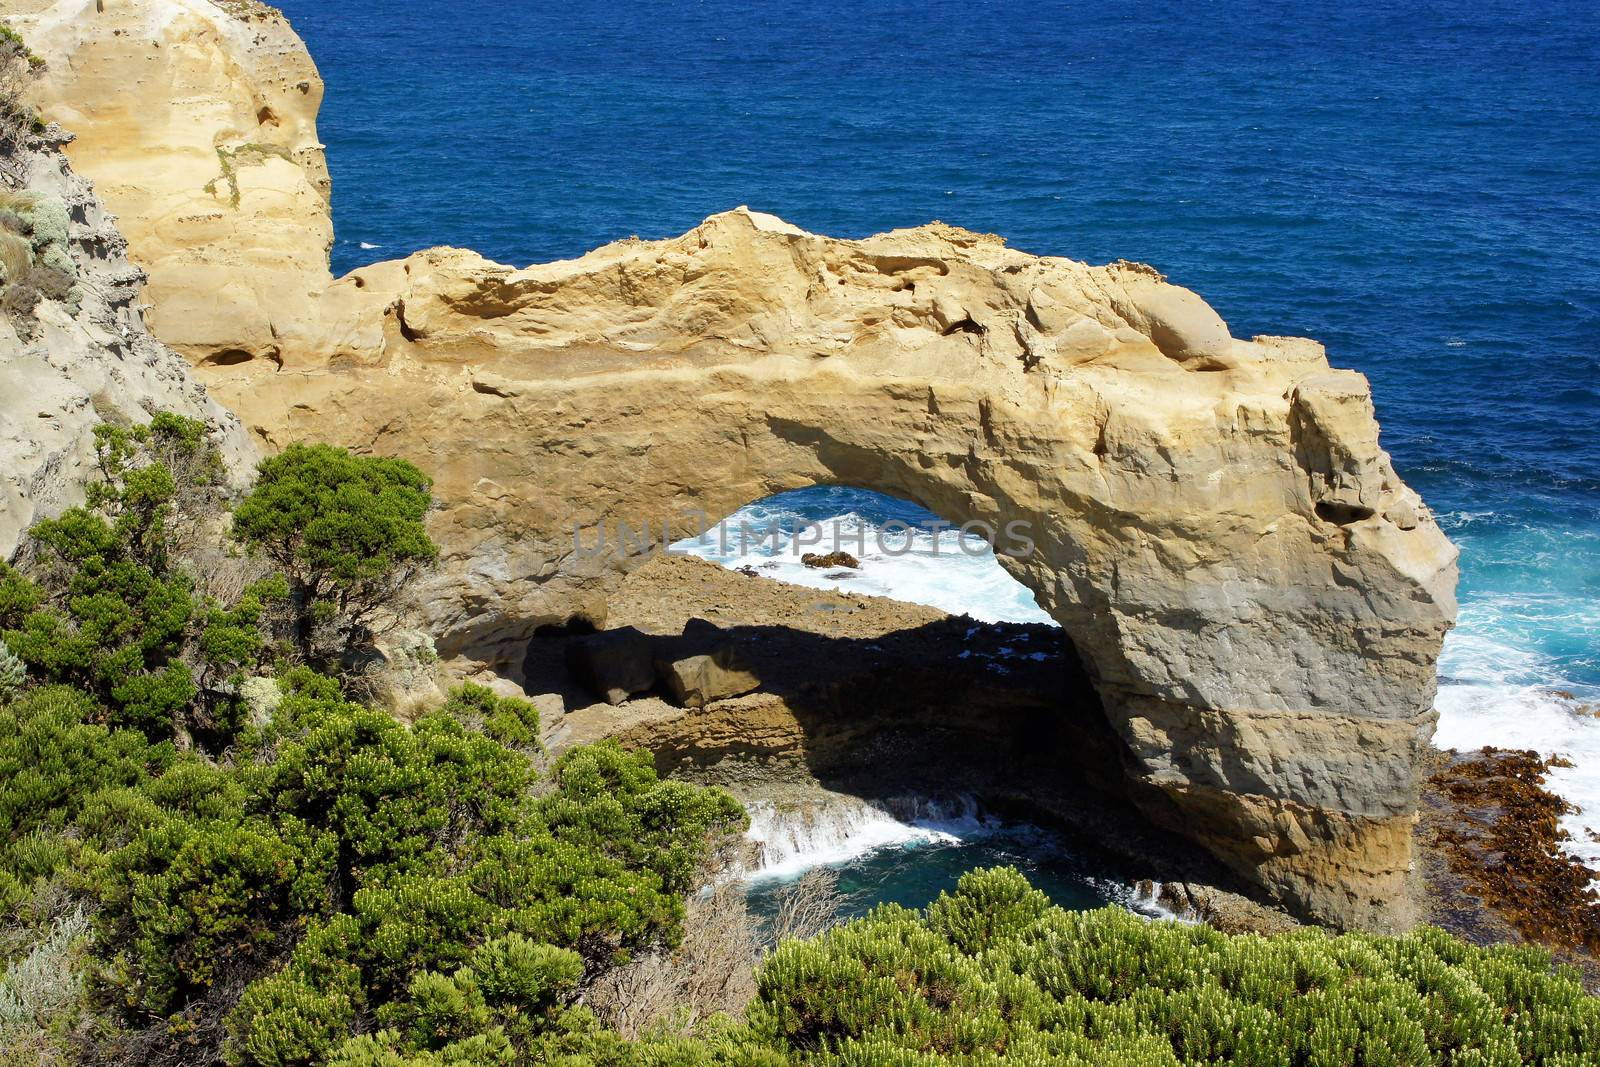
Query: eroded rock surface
[[1258, 596], [70, 364], [196, 120]]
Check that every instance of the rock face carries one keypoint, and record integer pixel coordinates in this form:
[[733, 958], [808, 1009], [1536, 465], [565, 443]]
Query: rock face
[[66, 368], [1258, 598], [196, 120], [702, 665], [695, 667]]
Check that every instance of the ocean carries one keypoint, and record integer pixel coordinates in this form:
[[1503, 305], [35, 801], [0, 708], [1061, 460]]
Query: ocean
[[1417, 186]]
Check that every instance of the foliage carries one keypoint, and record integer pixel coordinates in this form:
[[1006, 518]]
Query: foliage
[[13, 673], [994, 970], [56, 761], [349, 871], [35, 257], [113, 615], [509, 720], [347, 532], [39, 995], [17, 67], [327, 885]]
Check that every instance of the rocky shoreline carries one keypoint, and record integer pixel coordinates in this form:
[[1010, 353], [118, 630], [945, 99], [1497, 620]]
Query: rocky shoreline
[[913, 700]]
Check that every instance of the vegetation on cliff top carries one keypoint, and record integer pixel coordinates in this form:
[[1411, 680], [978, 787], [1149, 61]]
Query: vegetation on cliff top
[[213, 853]]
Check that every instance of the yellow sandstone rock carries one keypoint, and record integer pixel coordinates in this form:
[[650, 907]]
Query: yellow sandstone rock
[[1258, 596], [197, 123]]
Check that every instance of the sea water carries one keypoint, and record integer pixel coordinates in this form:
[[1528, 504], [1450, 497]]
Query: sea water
[[907, 850], [1416, 185]]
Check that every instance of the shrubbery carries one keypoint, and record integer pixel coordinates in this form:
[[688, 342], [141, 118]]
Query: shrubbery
[[346, 531], [320, 873], [994, 971], [109, 611]]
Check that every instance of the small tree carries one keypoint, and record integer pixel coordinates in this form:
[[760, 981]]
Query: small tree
[[347, 532], [17, 68]]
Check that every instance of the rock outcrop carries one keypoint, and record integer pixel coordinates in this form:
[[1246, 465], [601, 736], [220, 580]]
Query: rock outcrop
[[196, 120], [1258, 598], [69, 364]]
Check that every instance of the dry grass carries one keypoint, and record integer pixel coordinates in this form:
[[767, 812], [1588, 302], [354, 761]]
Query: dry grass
[[808, 909], [713, 970], [16, 255]]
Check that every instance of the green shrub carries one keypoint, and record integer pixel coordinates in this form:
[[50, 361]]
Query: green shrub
[[992, 970], [351, 871], [347, 532], [509, 720], [108, 608], [57, 762]]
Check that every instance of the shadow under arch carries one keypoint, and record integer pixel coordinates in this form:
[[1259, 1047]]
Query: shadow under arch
[[992, 701]]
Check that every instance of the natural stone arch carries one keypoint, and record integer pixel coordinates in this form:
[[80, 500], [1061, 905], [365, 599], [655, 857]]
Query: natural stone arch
[[1259, 598]]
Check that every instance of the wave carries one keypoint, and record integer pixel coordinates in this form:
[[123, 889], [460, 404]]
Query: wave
[[902, 553], [1495, 694], [792, 839], [836, 830]]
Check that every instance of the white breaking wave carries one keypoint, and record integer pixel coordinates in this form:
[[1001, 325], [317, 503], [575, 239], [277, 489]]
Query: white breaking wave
[[792, 839], [947, 569], [1493, 694], [834, 829]]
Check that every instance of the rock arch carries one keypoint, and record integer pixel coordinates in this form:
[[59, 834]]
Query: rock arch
[[1259, 598]]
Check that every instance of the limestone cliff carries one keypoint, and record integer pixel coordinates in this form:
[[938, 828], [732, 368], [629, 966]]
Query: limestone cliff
[[1257, 596], [196, 120], [70, 363]]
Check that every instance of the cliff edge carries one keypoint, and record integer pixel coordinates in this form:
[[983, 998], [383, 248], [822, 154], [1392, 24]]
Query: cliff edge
[[196, 121]]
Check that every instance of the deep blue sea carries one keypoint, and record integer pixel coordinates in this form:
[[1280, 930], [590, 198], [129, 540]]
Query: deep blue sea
[[1416, 185]]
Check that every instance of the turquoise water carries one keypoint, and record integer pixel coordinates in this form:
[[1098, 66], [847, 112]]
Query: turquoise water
[[1418, 186], [915, 874]]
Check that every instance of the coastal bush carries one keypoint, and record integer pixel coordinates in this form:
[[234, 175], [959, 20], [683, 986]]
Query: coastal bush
[[108, 609], [17, 67], [35, 257], [350, 872], [347, 533], [320, 883], [993, 970]]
